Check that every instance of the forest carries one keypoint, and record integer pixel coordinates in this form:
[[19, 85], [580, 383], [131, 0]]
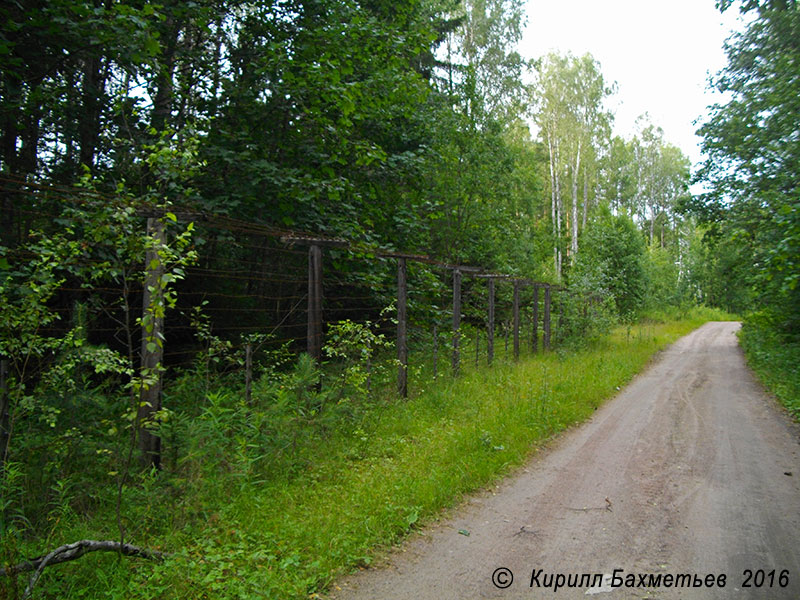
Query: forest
[[205, 209]]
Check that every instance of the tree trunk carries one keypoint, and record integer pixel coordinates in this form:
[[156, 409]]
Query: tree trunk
[[12, 95], [575, 175], [152, 345], [553, 205], [652, 223], [215, 78], [559, 208], [89, 124], [585, 197], [162, 103], [28, 155]]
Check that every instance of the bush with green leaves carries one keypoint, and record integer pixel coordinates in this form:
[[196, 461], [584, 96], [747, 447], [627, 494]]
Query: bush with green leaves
[[774, 355], [351, 348], [663, 279], [587, 316], [69, 411], [612, 262]]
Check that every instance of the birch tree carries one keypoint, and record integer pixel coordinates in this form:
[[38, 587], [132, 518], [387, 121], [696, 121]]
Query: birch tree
[[617, 177], [486, 44], [573, 122], [662, 176]]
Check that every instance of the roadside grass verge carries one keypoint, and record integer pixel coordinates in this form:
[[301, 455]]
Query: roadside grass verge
[[238, 534], [774, 359]]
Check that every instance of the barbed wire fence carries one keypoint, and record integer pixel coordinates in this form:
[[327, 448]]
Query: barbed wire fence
[[255, 289]]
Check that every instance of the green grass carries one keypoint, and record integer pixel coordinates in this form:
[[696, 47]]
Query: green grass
[[775, 361], [368, 485]]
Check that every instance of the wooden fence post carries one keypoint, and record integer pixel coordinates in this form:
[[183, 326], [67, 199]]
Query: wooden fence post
[[369, 367], [546, 324], [248, 372], [516, 319], [490, 325], [535, 333], [314, 337], [435, 350], [152, 344], [477, 344], [456, 320], [4, 413], [402, 328]]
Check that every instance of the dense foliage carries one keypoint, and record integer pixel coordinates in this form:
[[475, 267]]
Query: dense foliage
[[334, 117], [233, 126], [751, 210], [752, 168]]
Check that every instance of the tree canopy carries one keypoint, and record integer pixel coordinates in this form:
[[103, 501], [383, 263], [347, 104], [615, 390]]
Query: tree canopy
[[752, 142], [163, 164]]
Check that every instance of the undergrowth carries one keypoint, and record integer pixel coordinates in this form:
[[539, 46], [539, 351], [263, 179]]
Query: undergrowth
[[774, 357], [266, 500]]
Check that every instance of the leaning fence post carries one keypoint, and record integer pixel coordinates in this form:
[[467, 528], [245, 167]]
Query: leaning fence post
[[152, 343], [402, 328], [456, 320], [535, 334], [516, 319], [314, 337], [490, 325], [546, 323]]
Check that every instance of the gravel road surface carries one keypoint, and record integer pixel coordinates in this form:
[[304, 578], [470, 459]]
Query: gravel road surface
[[691, 469]]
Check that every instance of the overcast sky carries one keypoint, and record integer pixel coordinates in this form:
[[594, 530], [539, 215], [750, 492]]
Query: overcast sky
[[660, 53]]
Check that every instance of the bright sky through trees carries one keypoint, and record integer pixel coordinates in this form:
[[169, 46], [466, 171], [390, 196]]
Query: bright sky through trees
[[659, 53]]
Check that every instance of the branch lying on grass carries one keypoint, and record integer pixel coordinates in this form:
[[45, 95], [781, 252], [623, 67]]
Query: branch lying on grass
[[75, 550], [72, 551]]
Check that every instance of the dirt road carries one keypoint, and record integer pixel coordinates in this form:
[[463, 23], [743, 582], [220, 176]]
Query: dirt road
[[691, 469]]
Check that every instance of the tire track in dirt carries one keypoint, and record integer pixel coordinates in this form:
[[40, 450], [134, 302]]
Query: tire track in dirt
[[682, 472]]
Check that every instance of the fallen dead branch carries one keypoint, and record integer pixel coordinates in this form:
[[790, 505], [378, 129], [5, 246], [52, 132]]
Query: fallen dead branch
[[72, 551]]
